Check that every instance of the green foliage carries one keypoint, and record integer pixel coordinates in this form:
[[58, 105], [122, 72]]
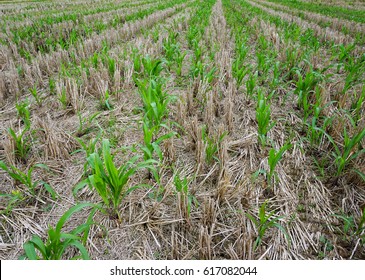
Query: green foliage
[[22, 143], [58, 242], [155, 101], [151, 145], [37, 95], [21, 177], [104, 101], [212, 145], [182, 187], [12, 200], [111, 182], [85, 124], [239, 71], [23, 112], [152, 67], [251, 84], [265, 221], [274, 158], [345, 155], [263, 118], [63, 99]]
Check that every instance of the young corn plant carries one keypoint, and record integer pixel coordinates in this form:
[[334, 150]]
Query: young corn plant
[[23, 112], [170, 48], [137, 61], [273, 160], [263, 118], [179, 58], [22, 143], [11, 201], [155, 101], [104, 101], [187, 199], [265, 221], [63, 99], [37, 95], [350, 151], [239, 71], [152, 145], [152, 67], [26, 179], [251, 84], [89, 148], [211, 145], [85, 124], [352, 228], [357, 105], [110, 181], [58, 242]]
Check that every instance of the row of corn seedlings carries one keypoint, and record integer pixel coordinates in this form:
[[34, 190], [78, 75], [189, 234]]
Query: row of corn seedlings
[[308, 89], [35, 39], [103, 174]]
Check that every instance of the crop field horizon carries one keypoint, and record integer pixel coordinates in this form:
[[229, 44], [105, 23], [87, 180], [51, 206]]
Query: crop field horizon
[[182, 129]]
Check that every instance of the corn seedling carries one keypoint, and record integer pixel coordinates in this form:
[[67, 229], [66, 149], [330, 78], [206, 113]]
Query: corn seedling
[[13, 199], [22, 143], [85, 124], [52, 86], [209, 75], [152, 67], [263, 118], [265, 221], [137, 61], [62, 98], [357, 105], [350, 151], [104, 101], [88, 147], [111, 182], [351, 228], [37, 95], [23, 112], [179, 61], [26, 179], [211, 145], [182, 187], [239, 71], [58, 242], [273, 160], [152, 145], [251, 84], [155, 101]]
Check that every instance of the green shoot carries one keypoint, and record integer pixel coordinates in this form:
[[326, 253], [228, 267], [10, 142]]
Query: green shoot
[[58, 242], [264, 222], [263, 118]]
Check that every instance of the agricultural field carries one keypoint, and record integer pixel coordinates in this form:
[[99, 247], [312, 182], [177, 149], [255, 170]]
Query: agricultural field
[[182, 129]]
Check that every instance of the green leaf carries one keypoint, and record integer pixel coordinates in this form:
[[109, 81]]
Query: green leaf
[[30, 251], [69, 213]]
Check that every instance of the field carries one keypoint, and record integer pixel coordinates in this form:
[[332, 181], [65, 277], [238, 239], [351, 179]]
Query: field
[[182, 129]]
